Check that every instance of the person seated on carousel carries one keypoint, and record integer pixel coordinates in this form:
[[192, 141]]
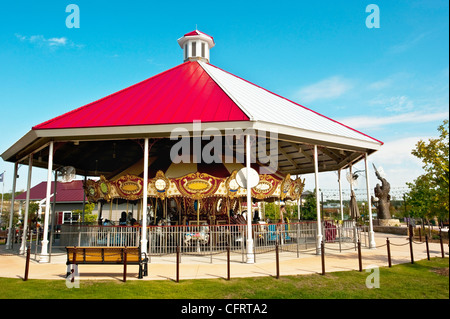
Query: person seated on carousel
[[256, 218], [204, 227], [107, 222], [130, 219], [282, 213], [123, 219]]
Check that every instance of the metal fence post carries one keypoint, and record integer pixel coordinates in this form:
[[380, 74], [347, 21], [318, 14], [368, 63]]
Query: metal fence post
[[178, 264], [442, 245], [322, 248], [124, 252], [428, 249], [340, 235], [389, 251], [228, 262], [27, 264], [411, 250], [277, 259], [359, 256]]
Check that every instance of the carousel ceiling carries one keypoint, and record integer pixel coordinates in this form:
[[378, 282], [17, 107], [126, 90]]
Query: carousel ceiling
[[114, 158]]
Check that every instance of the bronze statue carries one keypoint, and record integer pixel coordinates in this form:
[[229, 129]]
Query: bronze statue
[[384, 199]]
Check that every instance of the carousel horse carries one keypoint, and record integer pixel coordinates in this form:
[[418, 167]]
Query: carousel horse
[[202, 236]]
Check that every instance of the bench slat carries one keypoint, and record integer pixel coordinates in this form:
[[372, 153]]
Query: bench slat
[[102, 255]]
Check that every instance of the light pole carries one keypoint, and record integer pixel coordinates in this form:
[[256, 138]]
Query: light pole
[[2, 179]]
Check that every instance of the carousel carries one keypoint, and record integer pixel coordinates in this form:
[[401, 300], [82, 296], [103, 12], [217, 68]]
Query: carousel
[[193, 198], [122, 145]]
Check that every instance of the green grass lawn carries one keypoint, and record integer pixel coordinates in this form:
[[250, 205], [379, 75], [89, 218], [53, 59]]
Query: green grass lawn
[[422, 280]]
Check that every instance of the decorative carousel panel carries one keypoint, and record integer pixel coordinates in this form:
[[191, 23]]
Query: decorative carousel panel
[[296, 189], [160, 185], [104, 188], [285, 186], [129, 187], [231, 185], [266, 187], [197, 185], [90, 189]]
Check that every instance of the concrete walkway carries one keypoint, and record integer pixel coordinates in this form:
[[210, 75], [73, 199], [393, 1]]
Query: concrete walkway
[[191, 267]]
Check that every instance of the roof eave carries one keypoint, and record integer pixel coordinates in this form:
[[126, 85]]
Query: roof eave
[[11, 154], [299, 135]]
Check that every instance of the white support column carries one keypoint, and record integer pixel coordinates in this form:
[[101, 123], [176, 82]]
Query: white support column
[[298, 203], [44, 251], [319, 222], [144, 200], [372, 243], [250, 254], [341, 206], [23, 246], [11, 214]]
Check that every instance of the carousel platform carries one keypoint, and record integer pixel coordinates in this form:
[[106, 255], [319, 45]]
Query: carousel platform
[[203, 267]]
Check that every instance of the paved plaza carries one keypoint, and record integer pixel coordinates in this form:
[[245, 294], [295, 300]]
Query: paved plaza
[[196, 267]]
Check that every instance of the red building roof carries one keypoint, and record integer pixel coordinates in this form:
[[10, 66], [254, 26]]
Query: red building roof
[[65, 192], [182, 94], [196, 32]]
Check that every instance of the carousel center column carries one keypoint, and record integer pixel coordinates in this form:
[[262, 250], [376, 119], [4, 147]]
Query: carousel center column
[[144, 200], [250, 254]]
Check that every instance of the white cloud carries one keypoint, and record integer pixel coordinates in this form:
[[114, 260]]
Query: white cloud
[[409, 43], [328, 88], [394, 157], [378, 85], [399, 164], [359, 122], [398, 152], [395, 103], [57, 41], [54, 42]]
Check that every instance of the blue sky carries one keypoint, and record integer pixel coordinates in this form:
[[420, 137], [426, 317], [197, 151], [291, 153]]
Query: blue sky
[[390, 82]]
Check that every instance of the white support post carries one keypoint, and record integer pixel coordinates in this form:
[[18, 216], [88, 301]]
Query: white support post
[[298, 203], [319, 222], [341, 206], [27, 204], [11, 214], [44, 252], [144, 200], [250, 254], [372, 244]]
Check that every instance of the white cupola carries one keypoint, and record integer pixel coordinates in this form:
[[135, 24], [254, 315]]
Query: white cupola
[[196, 46]]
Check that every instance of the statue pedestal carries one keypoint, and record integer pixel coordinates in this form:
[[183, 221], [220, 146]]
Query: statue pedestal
[[386, 222]]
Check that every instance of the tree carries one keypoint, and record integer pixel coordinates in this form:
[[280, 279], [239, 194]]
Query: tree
[[309, 209], [434, 156], [89, 218], [429, 195]]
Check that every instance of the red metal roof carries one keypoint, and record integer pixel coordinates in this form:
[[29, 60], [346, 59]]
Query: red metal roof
[[65, 192], [196, 32], [182, 94]]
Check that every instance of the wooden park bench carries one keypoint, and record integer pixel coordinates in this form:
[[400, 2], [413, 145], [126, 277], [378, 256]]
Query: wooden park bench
[[3, 235], [108, 256]]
